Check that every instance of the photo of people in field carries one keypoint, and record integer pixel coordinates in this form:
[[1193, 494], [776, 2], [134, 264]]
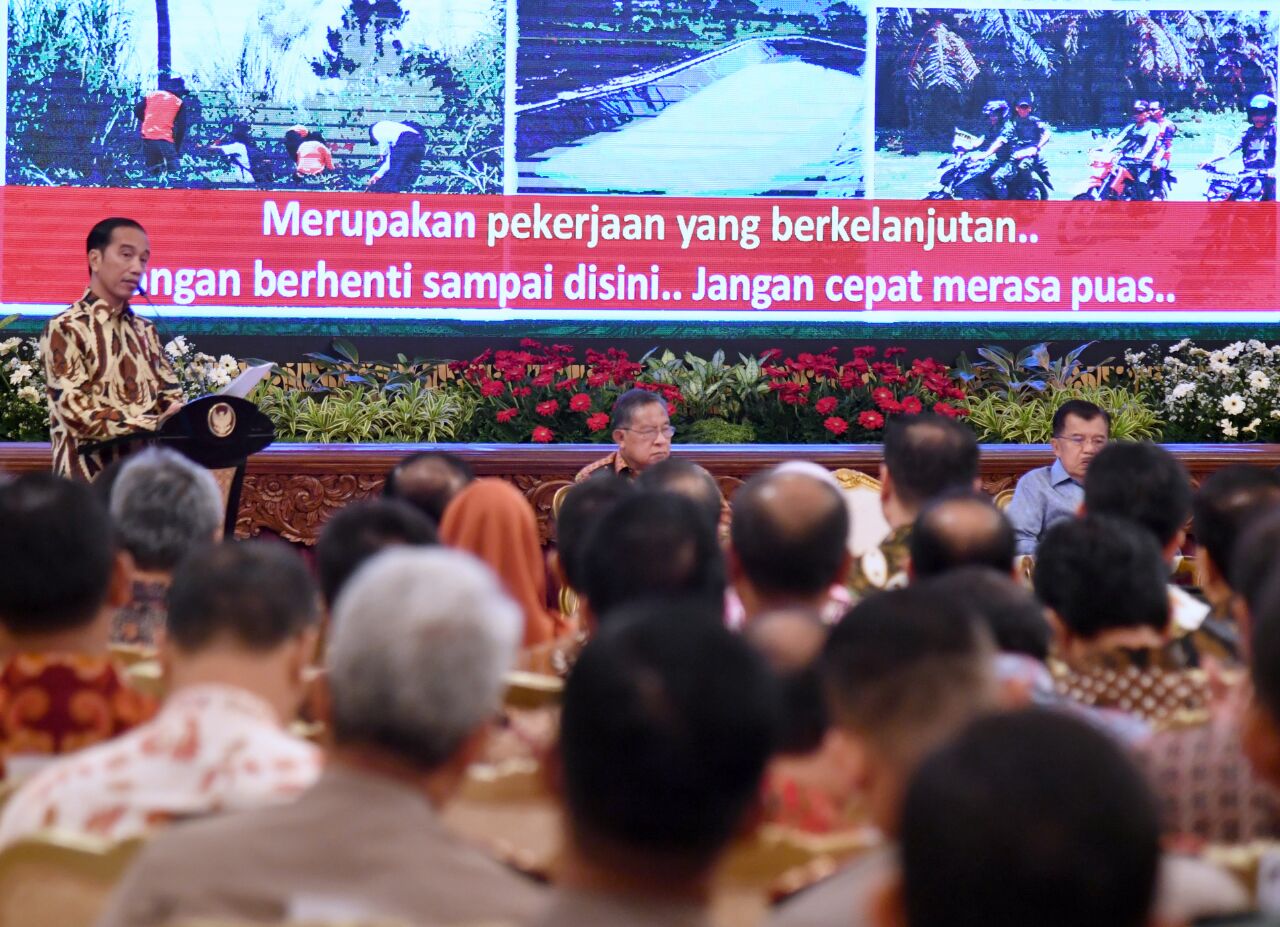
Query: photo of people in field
[[693, 97], [382, 95], [1133, 105]]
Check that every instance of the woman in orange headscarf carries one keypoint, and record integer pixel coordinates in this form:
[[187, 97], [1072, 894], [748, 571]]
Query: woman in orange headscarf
[[492, 519]]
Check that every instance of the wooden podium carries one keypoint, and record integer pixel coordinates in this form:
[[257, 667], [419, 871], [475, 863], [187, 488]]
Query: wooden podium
[[218, 432]]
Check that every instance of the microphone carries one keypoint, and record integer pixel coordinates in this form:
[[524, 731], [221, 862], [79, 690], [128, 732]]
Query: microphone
[[156, 318]]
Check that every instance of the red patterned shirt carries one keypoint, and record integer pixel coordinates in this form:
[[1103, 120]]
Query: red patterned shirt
[[52, 703], [212, 748]]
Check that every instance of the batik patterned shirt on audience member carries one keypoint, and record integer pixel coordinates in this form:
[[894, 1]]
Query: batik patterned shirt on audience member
[[142, 618], [107, 377], [53, 703], [212, 748]]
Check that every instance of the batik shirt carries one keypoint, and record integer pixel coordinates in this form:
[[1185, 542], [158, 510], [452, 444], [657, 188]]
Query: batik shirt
[[53, 703], [107, 377], [212, 749]]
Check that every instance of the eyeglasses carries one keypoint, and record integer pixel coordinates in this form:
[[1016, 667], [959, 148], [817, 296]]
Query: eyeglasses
[[651, 434], [1093, 443]]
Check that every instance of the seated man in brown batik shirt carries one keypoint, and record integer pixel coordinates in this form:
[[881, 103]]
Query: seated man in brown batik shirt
[[642, 430]]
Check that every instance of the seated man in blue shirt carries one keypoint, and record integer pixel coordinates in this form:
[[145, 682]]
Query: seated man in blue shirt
[[1049, 494]]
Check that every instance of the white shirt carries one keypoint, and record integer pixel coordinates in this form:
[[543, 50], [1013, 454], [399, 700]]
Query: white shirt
[[212, 748], [385, 134]]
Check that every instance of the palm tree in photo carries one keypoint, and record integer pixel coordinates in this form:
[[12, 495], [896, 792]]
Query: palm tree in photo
[[164, 48]]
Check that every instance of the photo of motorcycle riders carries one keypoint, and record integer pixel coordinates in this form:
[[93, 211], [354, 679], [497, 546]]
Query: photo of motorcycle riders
[[1140, 105]]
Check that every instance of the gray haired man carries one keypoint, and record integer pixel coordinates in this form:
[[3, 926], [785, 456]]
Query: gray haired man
[[421, 641]]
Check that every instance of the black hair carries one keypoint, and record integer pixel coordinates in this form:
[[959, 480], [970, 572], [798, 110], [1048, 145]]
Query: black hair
[[99, 237], [651, 544], [259, 593], [928, 454], [961, 529], [1264, 651], [584, 504], [688, 479], [1081, 409], [790, 540], [1141, 482], [804, 715], [1227, 502], [1256, 558], [906, 662], [626, 405], [660, 756], [431, 491], [1014, 616], [57, 553], [1031, 817], [359, 531], [1100, 572]]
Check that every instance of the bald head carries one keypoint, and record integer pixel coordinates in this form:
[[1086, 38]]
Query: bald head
[[428, 481], [961, 530], [789, 533]]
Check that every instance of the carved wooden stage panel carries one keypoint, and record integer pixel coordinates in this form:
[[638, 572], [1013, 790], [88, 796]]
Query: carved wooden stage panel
[[291, 489]]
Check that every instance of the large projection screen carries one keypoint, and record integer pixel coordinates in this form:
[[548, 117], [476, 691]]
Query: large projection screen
[[637, 161]]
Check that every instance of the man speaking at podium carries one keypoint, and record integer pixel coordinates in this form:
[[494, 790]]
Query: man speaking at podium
[[107, 373]]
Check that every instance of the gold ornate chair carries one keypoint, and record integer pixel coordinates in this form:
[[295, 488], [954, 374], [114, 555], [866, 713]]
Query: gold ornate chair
[[863, 497], [59, 880]]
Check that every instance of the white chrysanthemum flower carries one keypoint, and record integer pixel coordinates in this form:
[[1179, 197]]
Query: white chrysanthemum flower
[[1275, 413], [1228, 429], [1220, 367], [228, 362], [1253, 425], [1181, 390], [178, 347], [1258, 380], [29, 393], [20, 373], [1233, 404], [219, 377], [1232, 351], [1180, 345], [9, 345]]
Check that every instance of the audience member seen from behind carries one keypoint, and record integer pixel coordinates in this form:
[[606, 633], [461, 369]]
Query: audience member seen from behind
[[650, 545], [1047, 495], [904, 671], [642, 431], [62, 579], [803, 788], [1227, 503], [925, 456], [421, 642], [164, 507], [428, 481], [659, 765], [358, 532], [493, 520], [959, 530], [1147, 485], [688, 479], [787, 543], [1026, 818], [1205, 785], [1104, 581], [241, 634]]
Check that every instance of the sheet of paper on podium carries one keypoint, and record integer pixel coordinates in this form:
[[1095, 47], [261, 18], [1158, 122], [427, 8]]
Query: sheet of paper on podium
[[243, 385]]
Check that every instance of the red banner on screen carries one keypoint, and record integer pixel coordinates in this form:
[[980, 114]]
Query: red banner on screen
[[342, 250]]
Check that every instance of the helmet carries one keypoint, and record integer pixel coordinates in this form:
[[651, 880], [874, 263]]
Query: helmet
[[995, 108], [1262, 105], [1025, 100], [1140, 106]]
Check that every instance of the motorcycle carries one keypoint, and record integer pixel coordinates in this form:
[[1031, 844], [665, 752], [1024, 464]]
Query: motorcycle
[[1112, 178], [962, 177], [1236, 186]]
